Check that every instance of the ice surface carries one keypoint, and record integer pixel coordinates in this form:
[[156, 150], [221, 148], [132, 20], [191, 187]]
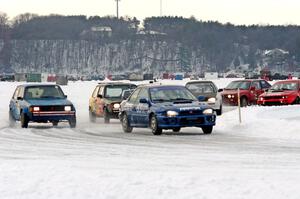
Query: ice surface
[[259, 158]]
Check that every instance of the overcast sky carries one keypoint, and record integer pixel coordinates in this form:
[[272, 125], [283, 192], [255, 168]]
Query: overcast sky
[[233, 11]]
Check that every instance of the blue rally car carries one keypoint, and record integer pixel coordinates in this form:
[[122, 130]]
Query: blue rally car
[[41, 103], [165, 107]]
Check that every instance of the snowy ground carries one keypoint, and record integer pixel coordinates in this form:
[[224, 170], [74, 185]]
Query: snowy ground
[[259, 158]]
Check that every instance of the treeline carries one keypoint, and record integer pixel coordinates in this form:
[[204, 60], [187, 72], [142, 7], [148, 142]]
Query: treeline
[[220, 43]]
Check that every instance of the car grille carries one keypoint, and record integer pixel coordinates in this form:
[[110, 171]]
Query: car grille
[[185, 121], [52, 108], [190, 112], [272, 97]]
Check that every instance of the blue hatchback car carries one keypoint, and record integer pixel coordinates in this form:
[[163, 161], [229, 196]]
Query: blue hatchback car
[[41, 103], [165, 107]]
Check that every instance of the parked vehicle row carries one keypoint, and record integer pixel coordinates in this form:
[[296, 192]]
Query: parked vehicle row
[[260, 92]]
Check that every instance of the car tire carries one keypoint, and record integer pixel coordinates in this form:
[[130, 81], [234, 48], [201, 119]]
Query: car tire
[[176, 130], [92, 116], [207, 129], [297, 101], [11, 118], [72, 122], [55, 123], [219, 111], [244, 102], [106, 116], [126, 124], [154, 126], [24, 120]]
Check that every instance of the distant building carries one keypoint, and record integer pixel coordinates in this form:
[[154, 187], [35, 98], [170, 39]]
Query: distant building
[[97, 32]]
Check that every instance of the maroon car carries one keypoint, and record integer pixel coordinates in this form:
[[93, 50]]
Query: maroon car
[[250, 89], [281, 93]]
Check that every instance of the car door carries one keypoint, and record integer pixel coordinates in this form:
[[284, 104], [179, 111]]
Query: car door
[[131, 105], [142, 109], [14, 104], [99, 101], [257, 91]]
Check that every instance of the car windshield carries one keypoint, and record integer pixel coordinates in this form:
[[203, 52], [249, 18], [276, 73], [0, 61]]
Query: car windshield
[[171, 94], [239, 84], [115, 91], [201, 87], [43, 92], [284, 86]]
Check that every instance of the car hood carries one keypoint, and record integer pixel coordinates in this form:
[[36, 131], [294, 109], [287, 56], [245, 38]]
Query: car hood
[[183, 106], [280, 93], [46, 102]]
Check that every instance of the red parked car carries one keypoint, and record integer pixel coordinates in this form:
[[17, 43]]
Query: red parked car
[[282, 92], [250, 89]]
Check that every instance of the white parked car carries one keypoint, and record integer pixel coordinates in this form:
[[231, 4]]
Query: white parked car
[[210, 93]]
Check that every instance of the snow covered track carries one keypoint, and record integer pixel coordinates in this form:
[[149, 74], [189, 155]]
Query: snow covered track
[[259, 158]]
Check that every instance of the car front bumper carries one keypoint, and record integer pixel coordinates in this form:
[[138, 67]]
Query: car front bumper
[[186, 121], [271, 102], [52, 116]]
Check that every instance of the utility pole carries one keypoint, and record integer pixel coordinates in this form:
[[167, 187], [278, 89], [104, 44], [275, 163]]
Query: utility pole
[[161, 8], [117, 8]]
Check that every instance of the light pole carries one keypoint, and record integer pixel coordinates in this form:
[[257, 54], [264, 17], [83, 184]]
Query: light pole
[[117, 8]]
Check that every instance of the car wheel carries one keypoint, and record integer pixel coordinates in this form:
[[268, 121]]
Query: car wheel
[[92, 116], [24, 120], [219, 111], [207, 129], [125, 124], [54, 123], [106, 116], [176, 130], [244, 102], [11, 118], [154, 126], [72, 122], [297, 101]]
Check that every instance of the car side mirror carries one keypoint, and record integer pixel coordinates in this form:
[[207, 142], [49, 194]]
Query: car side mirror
[[19, 98], [144, 101], [65, 96], [252, 88], [220, 90], [201, 98], [100, 96]]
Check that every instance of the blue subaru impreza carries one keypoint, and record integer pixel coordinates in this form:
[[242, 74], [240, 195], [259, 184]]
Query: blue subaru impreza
[[165, 107], [41, 103]]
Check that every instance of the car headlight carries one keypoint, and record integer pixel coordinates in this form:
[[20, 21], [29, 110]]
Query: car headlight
[[230, 96], [284, 97], [261, 98], [172, 113], [211, 100], [68, 108], [36, 108], [208, 111], [116, 106]]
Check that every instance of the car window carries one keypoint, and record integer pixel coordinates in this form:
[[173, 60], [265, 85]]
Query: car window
[[202, 87], [134, 96], [21, 92], [95, 92], [115, 91], [143, 94], [170, 93], [16, 93], [264, 84], [43, 92], [256, 85]]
